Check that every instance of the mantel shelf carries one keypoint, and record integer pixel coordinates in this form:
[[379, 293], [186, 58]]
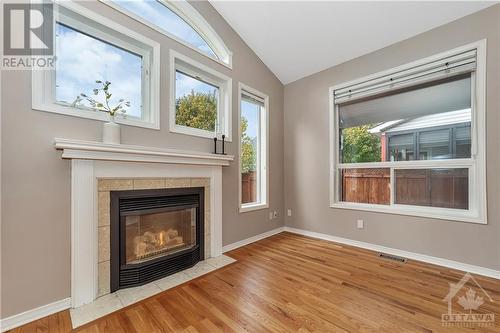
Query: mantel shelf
[[90, 150]]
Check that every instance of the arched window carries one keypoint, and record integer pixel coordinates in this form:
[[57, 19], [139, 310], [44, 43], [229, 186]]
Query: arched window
[[178, 20]]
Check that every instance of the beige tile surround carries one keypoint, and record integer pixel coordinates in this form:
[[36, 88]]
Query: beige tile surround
[[105, 185]]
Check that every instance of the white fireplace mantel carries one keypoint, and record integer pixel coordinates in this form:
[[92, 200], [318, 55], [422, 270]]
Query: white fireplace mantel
[[93, 160], [90, 150]]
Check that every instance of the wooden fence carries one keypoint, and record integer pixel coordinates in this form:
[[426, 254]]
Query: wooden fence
[[248, 187], [366, 186], [446, 188]]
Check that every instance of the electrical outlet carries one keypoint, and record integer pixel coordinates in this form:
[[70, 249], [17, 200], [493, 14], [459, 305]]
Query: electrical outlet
[[361, 224], [270, 215], [289, 212], [275, 215]]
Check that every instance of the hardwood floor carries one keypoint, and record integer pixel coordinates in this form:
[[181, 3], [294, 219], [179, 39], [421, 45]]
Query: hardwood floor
[[291, 283]]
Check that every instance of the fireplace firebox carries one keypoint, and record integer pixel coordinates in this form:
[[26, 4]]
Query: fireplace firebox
[[154, 233]]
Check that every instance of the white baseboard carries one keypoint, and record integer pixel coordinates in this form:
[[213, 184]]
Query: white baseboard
[[410, 255], [34, 314], [252, 239]]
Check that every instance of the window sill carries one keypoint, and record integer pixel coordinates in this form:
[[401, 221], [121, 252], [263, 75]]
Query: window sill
[[195, 132], [252, 207], [94, 115], [453, 215]]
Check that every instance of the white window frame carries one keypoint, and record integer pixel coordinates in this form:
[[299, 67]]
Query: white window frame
[[477, 212], [204, 73], [192, 17], [43, 81], [264, 152]]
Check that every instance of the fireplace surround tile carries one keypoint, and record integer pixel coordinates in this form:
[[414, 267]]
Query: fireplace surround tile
[[104, 277], [147, 184], [200, 182], [104, 246], [115, 184], [177, 182], [103, 209]]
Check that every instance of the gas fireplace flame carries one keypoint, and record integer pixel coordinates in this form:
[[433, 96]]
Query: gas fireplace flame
[[153, 243]]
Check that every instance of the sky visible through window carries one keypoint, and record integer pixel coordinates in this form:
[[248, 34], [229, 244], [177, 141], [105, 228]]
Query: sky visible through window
[[250, 112], [81, 60], [185, 84], [158, 14]]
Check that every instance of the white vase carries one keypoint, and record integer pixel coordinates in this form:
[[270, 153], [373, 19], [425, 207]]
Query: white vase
[[111, 132]]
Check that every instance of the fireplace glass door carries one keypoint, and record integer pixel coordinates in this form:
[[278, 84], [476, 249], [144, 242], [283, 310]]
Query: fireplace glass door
[[152, 235]]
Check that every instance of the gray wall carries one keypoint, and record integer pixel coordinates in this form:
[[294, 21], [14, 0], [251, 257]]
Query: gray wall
[[307, 161], [36, 181]]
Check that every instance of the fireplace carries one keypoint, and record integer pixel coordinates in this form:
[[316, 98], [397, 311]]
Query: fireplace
[[154, 233]]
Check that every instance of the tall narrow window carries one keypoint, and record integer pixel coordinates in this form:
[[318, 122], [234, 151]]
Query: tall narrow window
[[412, 141], [253, 149]]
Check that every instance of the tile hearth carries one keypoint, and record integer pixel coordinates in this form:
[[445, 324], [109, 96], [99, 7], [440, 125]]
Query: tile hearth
[[112, 302]]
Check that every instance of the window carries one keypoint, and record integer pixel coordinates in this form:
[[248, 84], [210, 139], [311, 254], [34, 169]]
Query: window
[[90, 50], [411, 140], [201, 103], [77, 72], [254, 191], [178, 20]]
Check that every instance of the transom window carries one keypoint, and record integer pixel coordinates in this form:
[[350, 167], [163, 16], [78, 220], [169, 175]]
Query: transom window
[[93, 52], [178, 20], [253, 149], [201, 99], [413, 137]]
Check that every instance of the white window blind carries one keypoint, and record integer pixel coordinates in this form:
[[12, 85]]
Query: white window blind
[[433, 137], [439, 97], [251, 98], [431, 71]]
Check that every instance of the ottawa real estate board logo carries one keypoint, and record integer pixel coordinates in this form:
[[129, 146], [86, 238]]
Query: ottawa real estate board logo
[[28, 39], [465, 300]]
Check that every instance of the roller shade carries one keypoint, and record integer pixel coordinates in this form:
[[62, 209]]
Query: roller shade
[[251, 98], [462, 133], [435, 70], [438, 98], [401, 140], [437, 136]]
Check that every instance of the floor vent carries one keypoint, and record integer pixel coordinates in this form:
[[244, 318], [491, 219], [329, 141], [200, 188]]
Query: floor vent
[[392, 257]]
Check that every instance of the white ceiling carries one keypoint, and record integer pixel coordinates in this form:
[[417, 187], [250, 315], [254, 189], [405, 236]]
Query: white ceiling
[[298, 38]]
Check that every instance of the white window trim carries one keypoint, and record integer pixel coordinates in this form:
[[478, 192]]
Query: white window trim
[[43, 81], [192, 17], [207, 74], [264, 183], [477, 212]]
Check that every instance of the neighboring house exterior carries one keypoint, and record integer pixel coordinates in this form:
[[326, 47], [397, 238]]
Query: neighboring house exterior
[[437, 136]]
